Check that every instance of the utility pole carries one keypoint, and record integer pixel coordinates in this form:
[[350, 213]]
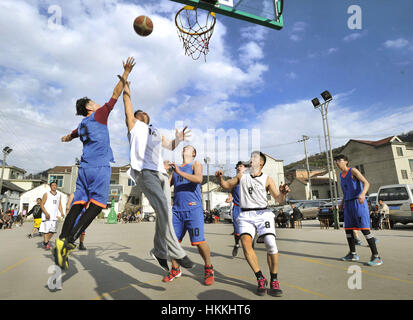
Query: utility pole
[[305, 138]]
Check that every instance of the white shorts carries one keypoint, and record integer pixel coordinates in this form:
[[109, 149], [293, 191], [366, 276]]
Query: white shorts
[[261, 220], [48, 226]]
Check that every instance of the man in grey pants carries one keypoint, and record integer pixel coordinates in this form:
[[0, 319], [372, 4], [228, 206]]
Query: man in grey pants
[[148, 171]]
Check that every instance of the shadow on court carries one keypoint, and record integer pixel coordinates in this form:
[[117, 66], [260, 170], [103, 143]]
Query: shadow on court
[[111, 281]]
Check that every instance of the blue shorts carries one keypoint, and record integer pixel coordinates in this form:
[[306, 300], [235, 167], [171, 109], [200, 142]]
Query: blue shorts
[[356, 215], [236, 210], [93, 185], [191, 220]]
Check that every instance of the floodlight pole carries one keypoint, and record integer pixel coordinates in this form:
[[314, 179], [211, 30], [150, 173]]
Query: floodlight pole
[[323, 107], [206, 160], [6, 152]]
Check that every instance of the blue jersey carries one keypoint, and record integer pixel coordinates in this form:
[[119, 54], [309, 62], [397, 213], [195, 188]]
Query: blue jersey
[[351, 188], [186, 194], [235, 195]]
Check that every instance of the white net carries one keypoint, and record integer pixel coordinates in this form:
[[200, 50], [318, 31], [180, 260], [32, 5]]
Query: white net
[[195, 36]]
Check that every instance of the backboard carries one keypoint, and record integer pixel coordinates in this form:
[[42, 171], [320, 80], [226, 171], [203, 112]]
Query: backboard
[[267, 13]]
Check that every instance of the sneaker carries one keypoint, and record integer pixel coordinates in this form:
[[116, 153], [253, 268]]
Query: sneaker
[[47, 246], [29, 236], [351, 257], [275, 290], [209, 275], [59, 252], [162, 262], [235, 250], [376, 240], [262, 283], [174, 273], [375, 261], [358, 242], [69, 248], [82, 246], [185, 262]]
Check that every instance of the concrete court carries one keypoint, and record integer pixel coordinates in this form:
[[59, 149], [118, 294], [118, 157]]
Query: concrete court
[[117, 266]]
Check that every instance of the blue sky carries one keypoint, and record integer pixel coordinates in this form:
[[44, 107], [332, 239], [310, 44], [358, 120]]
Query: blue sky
[[254, 78]]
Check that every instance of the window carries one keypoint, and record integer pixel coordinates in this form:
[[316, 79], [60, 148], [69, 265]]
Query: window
[[131, 183], [399, 151], [393, 194], [411, 165], [57, 179], [404, 174], [316, 194]]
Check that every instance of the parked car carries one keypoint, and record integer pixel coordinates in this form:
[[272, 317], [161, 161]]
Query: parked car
[[326, 212], [399, 198], [309, 209], [373, 199], [226, 213]]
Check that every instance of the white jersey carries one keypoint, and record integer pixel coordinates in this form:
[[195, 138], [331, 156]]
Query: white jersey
[[252, 192], [52, 206], [145, 148]]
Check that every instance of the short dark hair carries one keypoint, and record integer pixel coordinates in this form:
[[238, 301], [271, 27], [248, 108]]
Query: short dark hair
[[51, 182], [145, 116], [81, 106], [39, 199], [340, 156], [262, 156]]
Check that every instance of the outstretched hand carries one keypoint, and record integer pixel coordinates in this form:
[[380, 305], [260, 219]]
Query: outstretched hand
[[130, 63], [182, 135], [67, 138]]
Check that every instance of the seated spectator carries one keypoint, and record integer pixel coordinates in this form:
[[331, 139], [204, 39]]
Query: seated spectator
[[383, 211], [281, 219]]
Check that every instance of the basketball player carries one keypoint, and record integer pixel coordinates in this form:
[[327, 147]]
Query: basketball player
[[50, 205], [187, 211], [37, 217], [356, 211], [148, 172], [253, 186], [93, 180], [236, 209], [83, 234]]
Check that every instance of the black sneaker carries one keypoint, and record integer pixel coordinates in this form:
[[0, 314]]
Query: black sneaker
[[82, 246], [275, 290], [163, 262], [29, 236], [235, 250], [185, 262], [262, 284]]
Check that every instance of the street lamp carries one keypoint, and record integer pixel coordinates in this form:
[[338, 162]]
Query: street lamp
[[323, 107], [6, 152], [207, 160]]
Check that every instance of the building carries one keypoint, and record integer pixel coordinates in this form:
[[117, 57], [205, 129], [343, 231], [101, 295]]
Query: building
[[10, 196], [28, 198], [13, 173], [28, 184], [382, 162]]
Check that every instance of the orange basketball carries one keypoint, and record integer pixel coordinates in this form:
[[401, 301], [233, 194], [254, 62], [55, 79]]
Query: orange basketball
[[143, 26]]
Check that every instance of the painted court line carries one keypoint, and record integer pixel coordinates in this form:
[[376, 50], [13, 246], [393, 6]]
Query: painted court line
[[15, 265]]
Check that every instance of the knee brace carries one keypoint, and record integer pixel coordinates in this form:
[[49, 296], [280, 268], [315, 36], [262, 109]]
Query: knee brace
[[270, 244]]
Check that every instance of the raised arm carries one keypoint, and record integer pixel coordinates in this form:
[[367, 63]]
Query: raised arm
[[129, 115], [228, 184], [128, 66], [278, 195], [179, 137]]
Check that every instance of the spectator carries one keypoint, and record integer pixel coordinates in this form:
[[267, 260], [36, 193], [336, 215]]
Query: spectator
[[36, 211], [282, 219], [383, 211], [296, 215]]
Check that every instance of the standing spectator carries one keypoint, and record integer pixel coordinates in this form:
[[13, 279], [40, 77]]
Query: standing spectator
[[296, 215], [383, 211], [23, 217], [36, 211]]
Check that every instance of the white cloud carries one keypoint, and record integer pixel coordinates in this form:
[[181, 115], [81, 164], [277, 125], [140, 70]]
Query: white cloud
[[396, 44], [44, 71]]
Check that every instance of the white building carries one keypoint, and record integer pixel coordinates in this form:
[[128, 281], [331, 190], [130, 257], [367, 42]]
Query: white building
[[28, 199]]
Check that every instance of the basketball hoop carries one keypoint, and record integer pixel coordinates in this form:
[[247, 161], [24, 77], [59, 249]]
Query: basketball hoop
[[195, 37]]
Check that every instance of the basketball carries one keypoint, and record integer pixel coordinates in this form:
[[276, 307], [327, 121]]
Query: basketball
[[143, 26]]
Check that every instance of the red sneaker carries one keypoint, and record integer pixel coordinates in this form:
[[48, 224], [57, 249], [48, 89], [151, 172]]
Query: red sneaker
[[262, 283], [48, 246], [209, 275], [174, 273]]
